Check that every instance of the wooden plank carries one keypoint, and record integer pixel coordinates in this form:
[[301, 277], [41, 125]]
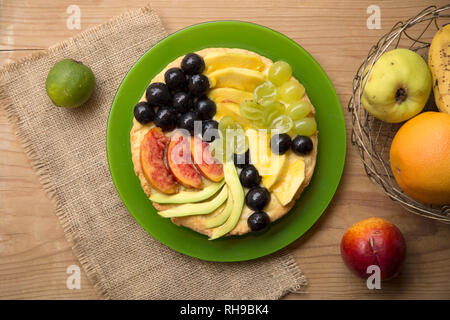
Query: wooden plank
[[33, 253]]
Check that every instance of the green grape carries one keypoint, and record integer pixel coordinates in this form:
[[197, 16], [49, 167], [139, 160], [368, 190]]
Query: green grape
[[282, 124], [272, 111], [226, 128], [251, 110], [258, 124], [223, 149], [217, 149], [299, 110], [265, 93], [229, 145], [233, 138], [305, 126], [291, 91], [226, 123], [240, 142], [280, 72]]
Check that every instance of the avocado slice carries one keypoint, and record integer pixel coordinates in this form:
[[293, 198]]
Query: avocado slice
[[191, 209], [188, 196], [219, 219], [237, 194]]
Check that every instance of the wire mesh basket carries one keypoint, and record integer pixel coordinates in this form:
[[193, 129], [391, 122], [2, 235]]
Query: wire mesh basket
[[372, 137]]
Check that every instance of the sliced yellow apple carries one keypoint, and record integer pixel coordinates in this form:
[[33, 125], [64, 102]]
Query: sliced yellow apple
[[237, 78], [229, 95], [220, 60], [292, 179]]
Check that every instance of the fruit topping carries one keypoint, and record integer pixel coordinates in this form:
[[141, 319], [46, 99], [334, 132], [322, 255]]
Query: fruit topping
[[175, 78], [272, 111], [289, 182], [192, 64], [302, 145], [237, 78], [205, 108], [258, 221], [220, 218], [279, 72], [280, 143], [257, 198], [299, 109], [269, 165], [265, 93], [241, 159], [187, 121], [305, 127], [233, 136], [165, 119], [181, 102], [229, 95], [231, 110], [291, 91], [191, 209], [282, 124], [208, 166], [152, 162], [249, 176], [225, 124], [180, 163], [144, 113], [198, 85], [210, 130], [251, 110], [237, 194], [220, 60], [240, 142], [188, 196], [158, 94]]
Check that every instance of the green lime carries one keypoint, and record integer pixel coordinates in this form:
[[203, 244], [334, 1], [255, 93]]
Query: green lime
[[69, 83]]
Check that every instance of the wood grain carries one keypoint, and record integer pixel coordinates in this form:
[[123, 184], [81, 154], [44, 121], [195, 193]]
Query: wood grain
[[33, 253]]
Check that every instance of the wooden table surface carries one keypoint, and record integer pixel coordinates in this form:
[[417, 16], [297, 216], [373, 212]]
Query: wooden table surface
[[34, 255]]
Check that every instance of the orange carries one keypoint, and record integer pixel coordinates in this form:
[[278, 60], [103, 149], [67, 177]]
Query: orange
[[420, 158]]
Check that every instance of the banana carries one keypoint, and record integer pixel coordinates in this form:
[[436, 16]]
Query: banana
[[439, 63]]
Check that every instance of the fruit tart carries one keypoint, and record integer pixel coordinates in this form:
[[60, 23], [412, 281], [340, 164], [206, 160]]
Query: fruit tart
[[224, 141]]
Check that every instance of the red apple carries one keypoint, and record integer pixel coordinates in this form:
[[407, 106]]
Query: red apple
[[373, 241]]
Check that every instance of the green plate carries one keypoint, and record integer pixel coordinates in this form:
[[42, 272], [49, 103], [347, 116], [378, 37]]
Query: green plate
[[331, 126]]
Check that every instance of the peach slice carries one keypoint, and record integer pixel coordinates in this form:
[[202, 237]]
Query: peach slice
[[152, 161], [180, 163], [208, 166]]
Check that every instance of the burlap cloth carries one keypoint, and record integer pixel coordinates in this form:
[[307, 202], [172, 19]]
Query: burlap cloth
[[67, 150]]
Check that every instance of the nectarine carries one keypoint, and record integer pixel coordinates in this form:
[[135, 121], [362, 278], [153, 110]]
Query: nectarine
[[180, 162], [208, 166], [152, 162], [374, 241]]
